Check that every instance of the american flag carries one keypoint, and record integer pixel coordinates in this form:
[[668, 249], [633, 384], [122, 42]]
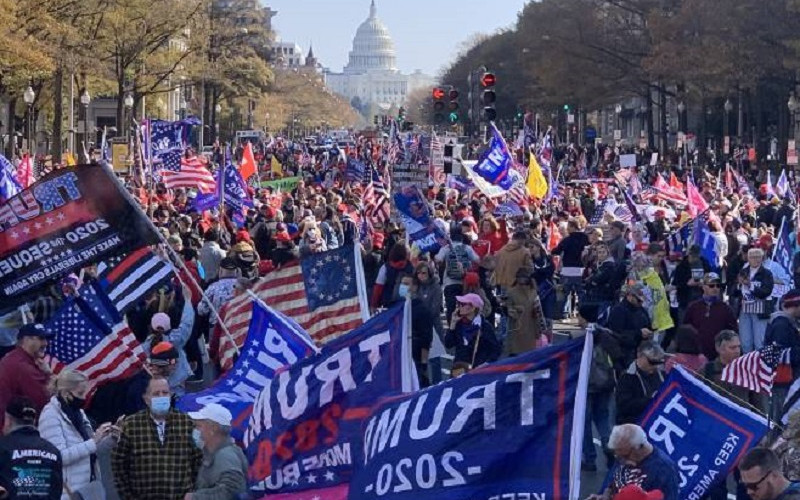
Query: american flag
[[92, 338], [324, 293], [126, 280], [377, 205], [182, 172], [9, 187], [756, 370], [600, 211]]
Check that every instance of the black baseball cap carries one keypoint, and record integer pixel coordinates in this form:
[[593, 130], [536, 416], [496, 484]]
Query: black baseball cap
[[22, 409], [35, 330]]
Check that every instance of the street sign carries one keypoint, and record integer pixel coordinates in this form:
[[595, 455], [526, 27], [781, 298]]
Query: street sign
[[726, 148], [617, 135], [571, 118]]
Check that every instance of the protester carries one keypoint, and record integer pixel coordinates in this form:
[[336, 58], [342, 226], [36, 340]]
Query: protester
[[783, 330], [763, 478], [617, 248], [571, 249], [422, 327], [221, 290], [755, 288], [387, 284], [458, 259], [23, 371], [161, 330], [223, 473], [687, 351], [629, 320], [635, 492], [140, 466], [524, 322], [30, 466], [709, 315], [688, 278], [640, 382], [640, 463], [471, 336], [211, 254], [66, 426]]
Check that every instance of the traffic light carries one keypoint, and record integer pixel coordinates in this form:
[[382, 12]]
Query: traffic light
[[566, 107], [401, 114], [375, 120], [452, 106], [438, 104], [489, 97]]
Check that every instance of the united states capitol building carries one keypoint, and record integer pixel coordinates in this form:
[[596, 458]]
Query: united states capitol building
[[371, 75]]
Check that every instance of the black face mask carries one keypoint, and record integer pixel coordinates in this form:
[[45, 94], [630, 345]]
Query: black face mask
[[77, 403]]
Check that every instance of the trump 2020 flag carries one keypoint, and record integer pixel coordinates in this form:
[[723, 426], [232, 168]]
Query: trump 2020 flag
[[273, 342], [501, 431], [703, 432], [495, 163], [305, 429]]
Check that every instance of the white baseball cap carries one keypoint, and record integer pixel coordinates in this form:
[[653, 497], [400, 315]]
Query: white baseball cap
[[213, 412]]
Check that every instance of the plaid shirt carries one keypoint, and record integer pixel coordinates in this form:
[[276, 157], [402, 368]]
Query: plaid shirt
[[146, 469]]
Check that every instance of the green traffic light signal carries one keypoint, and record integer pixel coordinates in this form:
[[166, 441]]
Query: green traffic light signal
[[452, 117], [566, 107]]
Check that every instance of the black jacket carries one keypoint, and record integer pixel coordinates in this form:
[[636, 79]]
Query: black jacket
[[572, 249], [489, 347], [600, 285], [683, 273], [635, 389], [626, 321], [783, 330], [30, 467]]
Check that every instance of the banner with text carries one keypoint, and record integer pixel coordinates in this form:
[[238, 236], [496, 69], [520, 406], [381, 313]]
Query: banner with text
[[284, 184], [273, 342], [505, 430], [703, 432], [304, 432], [68, 219], [416, 216]]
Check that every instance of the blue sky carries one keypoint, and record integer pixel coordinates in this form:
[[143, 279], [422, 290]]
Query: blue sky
[[426, 33]]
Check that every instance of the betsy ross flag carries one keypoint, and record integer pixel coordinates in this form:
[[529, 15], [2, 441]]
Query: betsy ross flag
[[126, 280], [92, 338], [182, 172], [756, 370], [324, 293]]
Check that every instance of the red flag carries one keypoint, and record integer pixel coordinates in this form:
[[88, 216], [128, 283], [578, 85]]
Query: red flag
[[674, 182], [248, 165], [728, 178], [697, 204], [25, 172], [555, 237]]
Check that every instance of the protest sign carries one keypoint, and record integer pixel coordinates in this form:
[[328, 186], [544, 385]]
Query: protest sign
[[416, 216], [410, 172], [508, 209], [284, 184], [304, 432], [506, 430], [627, 160], [273, 342], [703, 432], [70, 218]]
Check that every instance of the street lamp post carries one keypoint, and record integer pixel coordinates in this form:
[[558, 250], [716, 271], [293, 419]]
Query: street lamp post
[[618, 129], [28, 96], [217, 111], [794, 106], [85, 100], [128, 104], [726, 147]]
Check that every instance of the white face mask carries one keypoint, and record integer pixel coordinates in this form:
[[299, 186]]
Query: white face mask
[[402, 290], [160, 405]]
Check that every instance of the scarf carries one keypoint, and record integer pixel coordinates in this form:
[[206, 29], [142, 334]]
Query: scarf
[[76, 418]]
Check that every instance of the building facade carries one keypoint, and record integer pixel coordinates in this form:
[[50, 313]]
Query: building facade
[[371, 74]]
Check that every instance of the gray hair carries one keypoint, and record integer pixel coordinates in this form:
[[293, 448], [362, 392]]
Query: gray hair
[[627, 434], [67, 381], [755, 252]]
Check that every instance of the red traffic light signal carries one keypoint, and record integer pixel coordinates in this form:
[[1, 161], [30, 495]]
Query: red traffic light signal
[[488, 80], [438, 93], [453, 94]]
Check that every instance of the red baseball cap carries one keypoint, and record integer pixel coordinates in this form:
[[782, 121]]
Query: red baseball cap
[[635, 492]]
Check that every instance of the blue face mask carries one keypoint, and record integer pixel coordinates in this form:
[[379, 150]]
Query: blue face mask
[[402, 290], [160, 405], [198, 439]]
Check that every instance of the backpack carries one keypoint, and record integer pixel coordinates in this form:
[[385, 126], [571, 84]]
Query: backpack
[[601, 371], [457, 263], [619, 277]]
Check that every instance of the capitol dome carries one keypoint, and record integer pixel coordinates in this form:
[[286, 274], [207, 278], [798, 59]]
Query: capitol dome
[[373, 48]]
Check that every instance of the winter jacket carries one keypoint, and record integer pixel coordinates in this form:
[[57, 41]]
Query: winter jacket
[[710, 318], [756, 296], [634, 392], [599, 285], [783, 330], [39, 459], [626, 321], [21, 376], [178, 337], [571, 249], [509, 259], [463, 338], [681, 277], [56, 427], [210, 256], [222, 475]]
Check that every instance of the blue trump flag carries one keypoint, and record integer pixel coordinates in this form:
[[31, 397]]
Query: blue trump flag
[[416, 215], [703, 432], [233, 188], [161, 136], [505, 430], [706, 241], [305, 429], [273, 342], [495, 163]]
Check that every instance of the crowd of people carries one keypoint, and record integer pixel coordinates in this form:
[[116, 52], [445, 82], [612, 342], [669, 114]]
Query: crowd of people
[[495, 288]]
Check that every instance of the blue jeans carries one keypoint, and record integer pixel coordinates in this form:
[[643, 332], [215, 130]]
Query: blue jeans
[[597, 412], [751, 331]]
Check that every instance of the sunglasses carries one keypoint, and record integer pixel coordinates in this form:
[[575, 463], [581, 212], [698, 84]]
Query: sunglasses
[[713, 285], [655, 361], [754, 486]]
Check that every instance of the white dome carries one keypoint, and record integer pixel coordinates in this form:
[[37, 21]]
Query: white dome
[[373, 48]]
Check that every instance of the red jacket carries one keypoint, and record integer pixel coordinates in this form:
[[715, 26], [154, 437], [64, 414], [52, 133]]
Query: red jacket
[[21, 376]]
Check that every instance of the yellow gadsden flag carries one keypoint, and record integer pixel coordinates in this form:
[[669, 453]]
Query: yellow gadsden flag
[[276, 166], [537, 185], [69, 159]]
